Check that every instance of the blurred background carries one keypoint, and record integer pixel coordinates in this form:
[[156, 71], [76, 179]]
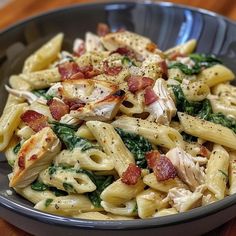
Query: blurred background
[[12, 11]]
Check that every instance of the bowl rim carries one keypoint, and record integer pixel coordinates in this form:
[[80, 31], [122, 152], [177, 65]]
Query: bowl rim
[[194, 214]]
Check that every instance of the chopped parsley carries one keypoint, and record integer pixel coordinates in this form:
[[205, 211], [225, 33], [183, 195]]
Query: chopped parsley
[[16, 149], [48, 202]]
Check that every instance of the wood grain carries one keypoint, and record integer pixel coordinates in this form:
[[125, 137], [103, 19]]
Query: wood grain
[[17, 10]]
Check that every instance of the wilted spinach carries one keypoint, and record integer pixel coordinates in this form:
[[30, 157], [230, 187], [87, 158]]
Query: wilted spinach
[[137, 145], [201, 109], [200, 61], [68, 137], [42, 93]]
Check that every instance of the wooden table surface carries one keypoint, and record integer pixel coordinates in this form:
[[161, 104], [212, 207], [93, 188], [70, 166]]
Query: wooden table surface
[[12, 11]]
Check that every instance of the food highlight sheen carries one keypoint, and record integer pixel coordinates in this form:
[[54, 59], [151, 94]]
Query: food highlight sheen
[[120, 130]]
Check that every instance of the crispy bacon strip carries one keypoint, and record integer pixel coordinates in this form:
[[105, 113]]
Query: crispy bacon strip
[[69, 70], [58, 108], [164, 69], [115, 70], [204, 151], [131, 175], [36, 121], [21, 162], [162, 167], [137, 83], [149, 96], [74, 104], [102, 29], [175, 54], [124, 52]]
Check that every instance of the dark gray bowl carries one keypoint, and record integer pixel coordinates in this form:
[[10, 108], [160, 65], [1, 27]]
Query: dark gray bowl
[[167, 25]]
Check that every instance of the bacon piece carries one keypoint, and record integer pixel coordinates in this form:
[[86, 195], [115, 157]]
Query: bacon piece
[[58, 108], [102, 29], [124, 52], [162, 167], [69, 70], [164, 69], [149, 96], [174, 55], [89, 71], [131, 175], [151, 47], [204, 151], [21, 162], [36, 121], [115, 70], [137, 83], [151, 158], [74, 104]]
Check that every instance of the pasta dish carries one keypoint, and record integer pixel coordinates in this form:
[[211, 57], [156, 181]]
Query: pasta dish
[[118, 129]]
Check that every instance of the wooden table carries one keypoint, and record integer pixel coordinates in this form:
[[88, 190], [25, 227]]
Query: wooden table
[[17, 10]]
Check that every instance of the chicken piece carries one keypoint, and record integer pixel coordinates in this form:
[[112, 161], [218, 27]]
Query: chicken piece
[[184, 200], [54, 90], [35, 155], [189, 171], [27, 95], [142, 46], [100, 99], [93, 42], [163, 109], [86, 90], [103, 110]]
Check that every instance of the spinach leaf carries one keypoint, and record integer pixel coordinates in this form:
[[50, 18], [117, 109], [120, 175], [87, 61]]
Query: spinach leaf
[[192, 108], [127, 61], [185, 69], [101, 182], [205, 60], [38, 186], [221, 119], [200, 61], [58, 192], [68, 137], [201, 109], [16, 149], [42, 93], [68, 187], [188, 138], [137, 145]]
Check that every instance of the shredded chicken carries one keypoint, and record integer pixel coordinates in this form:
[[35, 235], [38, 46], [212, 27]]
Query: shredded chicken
[[27, 95], [189, 171], [164, 108], [183, 199]]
